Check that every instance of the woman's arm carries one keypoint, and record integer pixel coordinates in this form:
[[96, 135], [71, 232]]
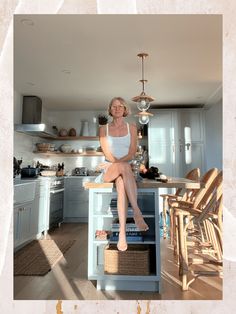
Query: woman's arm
[[133, 145], [104, 145]]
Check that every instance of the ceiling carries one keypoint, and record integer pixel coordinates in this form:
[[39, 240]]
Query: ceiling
[[82, 61]]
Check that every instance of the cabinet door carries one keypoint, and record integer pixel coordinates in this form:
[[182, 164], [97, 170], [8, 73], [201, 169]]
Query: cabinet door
[[56, 208], [43, 212], [38, 218], [190, 141], [25, 214], [76, 198], [161, 136], [176, 141], [16, 226]]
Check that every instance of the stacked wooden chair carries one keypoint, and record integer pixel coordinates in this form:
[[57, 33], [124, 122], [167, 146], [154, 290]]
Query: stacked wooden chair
[[198, 227], [180, 194], [194, 201]]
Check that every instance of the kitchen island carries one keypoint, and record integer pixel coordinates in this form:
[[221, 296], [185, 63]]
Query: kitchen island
[[101, 217]]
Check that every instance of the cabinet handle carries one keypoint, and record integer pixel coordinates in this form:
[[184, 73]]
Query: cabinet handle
[[180, 145], [188, 146]]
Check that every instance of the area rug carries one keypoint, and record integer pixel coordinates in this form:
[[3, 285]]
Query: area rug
[[38, 257]]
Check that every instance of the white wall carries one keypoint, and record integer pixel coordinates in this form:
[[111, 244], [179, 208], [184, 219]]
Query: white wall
[[213, 131], [24, 145]]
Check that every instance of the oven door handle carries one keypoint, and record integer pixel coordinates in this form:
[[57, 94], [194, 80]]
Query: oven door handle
[[57, 191]]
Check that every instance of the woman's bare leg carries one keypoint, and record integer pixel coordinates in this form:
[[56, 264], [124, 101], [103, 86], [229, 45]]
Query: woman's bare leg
[[122, 212], [123, 169]]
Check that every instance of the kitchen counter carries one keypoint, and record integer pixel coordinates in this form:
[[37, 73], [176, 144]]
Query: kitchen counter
[[19, 180], [147, 183]]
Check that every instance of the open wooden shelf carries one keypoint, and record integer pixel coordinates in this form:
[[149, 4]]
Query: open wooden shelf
[[74, 138], [49, 153]]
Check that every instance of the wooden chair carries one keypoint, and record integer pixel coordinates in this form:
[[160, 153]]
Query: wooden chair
[[205, 246], [180, 194], [195, 200]]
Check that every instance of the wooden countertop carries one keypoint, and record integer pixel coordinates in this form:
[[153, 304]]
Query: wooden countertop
[[149, 184]]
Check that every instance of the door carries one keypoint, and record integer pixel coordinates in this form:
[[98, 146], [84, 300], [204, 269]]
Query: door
[[16, 225], [161, 141], [25, 214], [189, 141], [56, 207], [176, 141]]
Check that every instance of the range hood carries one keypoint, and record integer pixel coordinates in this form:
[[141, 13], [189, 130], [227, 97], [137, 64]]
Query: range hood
[[34, 130], [32, 119]]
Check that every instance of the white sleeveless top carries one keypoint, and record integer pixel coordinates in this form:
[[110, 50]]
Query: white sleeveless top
[[119, 145]]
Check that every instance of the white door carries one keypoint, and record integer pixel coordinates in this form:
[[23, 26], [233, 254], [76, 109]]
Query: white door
[[189, 141], [161, 142], [176, 141]]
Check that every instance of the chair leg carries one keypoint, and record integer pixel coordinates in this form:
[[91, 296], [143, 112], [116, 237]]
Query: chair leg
[[183, 254], [176, 238], [171, 226], [165, 206]]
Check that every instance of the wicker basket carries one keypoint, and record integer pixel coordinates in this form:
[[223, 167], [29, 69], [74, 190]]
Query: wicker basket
[[44, 147], [134, 261]]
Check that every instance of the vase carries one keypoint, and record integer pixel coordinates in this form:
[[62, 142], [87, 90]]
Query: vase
[[84, 128]]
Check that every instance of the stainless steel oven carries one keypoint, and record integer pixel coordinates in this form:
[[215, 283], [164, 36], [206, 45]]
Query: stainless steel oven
[[56, 202]]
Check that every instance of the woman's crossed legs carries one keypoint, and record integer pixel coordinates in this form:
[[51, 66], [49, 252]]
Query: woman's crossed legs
[[123, 176]]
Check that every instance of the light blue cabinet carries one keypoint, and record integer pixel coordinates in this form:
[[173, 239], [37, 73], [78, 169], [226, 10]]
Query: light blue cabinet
[[101, 218], [39, 219], [30, 211], [76, 199], [22, 217]]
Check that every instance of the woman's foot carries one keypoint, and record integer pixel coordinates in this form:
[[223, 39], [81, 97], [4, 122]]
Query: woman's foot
[[140, 222], [122, 244]]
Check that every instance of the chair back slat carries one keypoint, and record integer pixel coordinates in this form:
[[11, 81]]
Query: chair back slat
[[194, 175], [206, 182]]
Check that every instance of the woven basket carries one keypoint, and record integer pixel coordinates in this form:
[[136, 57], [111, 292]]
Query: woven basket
[[133, 261], [44, 147]]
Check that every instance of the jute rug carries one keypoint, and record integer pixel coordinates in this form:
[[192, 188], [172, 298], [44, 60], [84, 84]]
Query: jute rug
[[38, 257]]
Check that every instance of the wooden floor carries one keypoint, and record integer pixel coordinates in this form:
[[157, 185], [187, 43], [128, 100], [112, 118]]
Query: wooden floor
[[68, 278]]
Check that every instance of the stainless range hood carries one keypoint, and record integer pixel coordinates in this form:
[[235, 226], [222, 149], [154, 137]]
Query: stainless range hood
[[32, 119], [34, 130]]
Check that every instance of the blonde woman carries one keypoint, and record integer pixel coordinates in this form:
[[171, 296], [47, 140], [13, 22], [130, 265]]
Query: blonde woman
[[118, 140]]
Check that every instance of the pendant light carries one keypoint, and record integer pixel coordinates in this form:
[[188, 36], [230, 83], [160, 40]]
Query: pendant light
[[143, 100]]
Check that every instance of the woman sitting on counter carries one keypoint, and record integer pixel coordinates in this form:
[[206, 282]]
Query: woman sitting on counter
[[118, 140]]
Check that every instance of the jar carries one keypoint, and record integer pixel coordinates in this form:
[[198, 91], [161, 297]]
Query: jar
[[85, 128]]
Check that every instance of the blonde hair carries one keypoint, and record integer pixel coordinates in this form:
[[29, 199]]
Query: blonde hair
[[123, 102]]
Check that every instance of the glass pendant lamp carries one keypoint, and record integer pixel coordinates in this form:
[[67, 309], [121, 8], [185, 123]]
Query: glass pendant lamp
[[143, 100]]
